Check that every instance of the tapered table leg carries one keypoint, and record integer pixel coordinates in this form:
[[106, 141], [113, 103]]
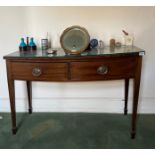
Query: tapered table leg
[[136, 87], [29, 93], [12, 105], [126, 96], [11, 87]]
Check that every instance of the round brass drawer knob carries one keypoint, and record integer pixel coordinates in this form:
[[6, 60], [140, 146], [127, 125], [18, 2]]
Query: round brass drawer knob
[[36, 71], [102, 70]]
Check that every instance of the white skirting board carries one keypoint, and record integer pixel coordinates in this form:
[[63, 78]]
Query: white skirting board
[[94, 105]]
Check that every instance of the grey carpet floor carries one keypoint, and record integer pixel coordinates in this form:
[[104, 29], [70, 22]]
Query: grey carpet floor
[[76, 131]]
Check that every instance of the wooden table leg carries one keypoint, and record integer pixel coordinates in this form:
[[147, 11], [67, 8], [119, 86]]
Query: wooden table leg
[[29, 92], [12, 105], [11, 87], [126, 96], [136, 87]]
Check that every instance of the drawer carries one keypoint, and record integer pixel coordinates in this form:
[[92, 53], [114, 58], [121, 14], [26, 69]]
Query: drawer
[[100, 70], [39, 71]]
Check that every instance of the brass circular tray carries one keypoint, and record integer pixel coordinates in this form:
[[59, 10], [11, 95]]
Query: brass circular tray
[[74, 40]]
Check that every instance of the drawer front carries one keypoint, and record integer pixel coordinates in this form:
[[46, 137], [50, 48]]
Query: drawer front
[[39, 71], [106, 69]]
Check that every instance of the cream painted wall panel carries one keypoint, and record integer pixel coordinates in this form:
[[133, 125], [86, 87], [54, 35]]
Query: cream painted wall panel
[[13, 25], [101, 22]]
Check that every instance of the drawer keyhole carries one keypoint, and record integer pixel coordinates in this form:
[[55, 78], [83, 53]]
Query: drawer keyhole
[[102, 70], [36, 71]]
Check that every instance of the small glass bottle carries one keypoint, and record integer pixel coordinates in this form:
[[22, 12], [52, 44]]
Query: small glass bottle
[[101, 44], [22, 46], [32, 45]]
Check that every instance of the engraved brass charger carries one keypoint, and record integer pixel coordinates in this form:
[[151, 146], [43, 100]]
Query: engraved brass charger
[[74, 40]]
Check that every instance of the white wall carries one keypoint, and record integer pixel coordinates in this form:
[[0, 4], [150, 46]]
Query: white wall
[[102, 23]]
